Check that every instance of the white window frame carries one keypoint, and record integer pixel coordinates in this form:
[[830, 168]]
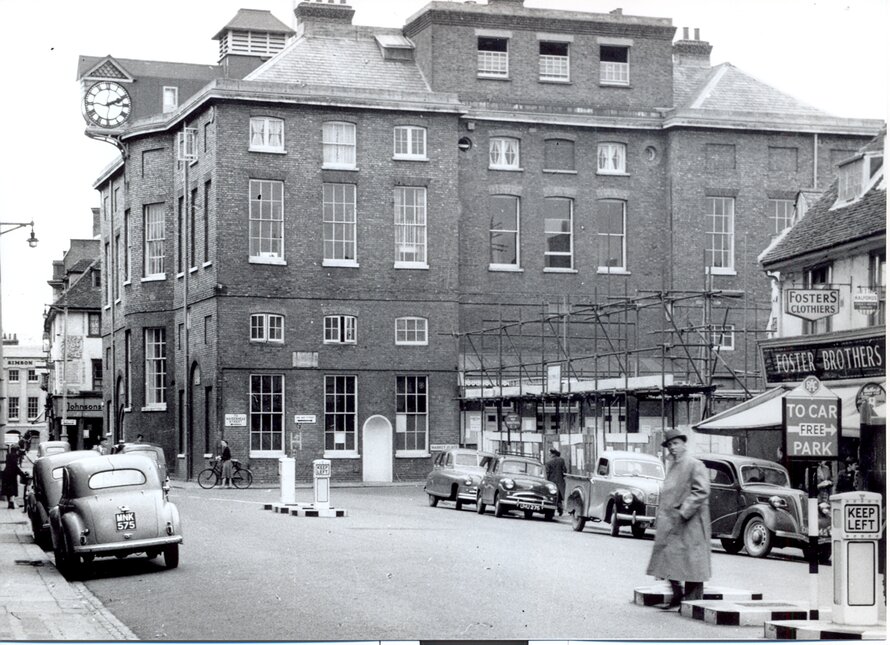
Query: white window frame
[[407, 326], [33, 377], [500, 149], [13, 375], [339, 224], [493, 233], [266, 134], [613, 72], [554, 68], [266, 328], [492, 63], [723, 339], [548, 231], [403, 416], [338, 145], [266, 413], [340, 395], [155, 343], [409, 143], [781, 211], [266, 221], [169, 98], [851, 179], [340, 330], [13, 408], [725, 251], [611, 158], [410, 227], [154, 242], [35, 408], [606, 268]]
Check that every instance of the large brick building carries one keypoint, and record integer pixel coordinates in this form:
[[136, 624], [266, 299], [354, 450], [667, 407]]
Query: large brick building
[[352, 204]]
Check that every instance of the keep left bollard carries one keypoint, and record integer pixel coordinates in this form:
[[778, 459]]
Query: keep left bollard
[[287, 471], [321, 473]]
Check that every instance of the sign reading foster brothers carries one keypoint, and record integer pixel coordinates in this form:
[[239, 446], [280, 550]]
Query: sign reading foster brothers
[[812, 419]]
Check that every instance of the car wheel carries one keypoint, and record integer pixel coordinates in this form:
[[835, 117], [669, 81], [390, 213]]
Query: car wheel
[[528, 514], [638, 529], [614, 524], [66, 563], [578, 520], [548, 515], [480, 506], [171, 556], [498, 507], [758, 538], [432, 500], [731, 546]]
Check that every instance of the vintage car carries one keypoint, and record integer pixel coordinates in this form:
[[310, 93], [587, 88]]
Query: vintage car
[[45, 448], [511, 482], [152, 450], [113, 505], [623, 491], [45, 490], [753, 507], [455, 476]]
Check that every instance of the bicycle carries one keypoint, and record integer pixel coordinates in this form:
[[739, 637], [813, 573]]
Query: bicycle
[[210, 477]]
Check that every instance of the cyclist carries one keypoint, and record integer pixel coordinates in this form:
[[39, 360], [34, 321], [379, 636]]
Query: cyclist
[[226, 463]]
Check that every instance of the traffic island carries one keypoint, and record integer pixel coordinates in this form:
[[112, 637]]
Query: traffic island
[[743, 612], [660, 593], [321, 507], [304, 510], [815, 630]]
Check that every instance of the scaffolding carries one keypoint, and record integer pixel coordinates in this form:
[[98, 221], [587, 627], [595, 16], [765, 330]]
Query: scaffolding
[[652, 349]]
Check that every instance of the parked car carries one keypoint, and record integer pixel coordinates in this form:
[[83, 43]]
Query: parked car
[[623, 491], [45, 448], [152, 450], [455, 476], [46, 489], [512, 482], [754, 507], [113, 505]]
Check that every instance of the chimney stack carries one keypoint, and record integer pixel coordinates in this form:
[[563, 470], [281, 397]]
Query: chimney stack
[[324, 18], [692, 53]]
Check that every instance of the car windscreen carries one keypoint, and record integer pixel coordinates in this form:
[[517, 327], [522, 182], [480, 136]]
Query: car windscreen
[[57, 472], [114, 478], [764, 475], [523, 468], [465, 459], [638, 468]]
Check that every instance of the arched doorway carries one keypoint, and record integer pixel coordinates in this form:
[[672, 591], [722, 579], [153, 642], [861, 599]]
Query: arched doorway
[[377, 449]]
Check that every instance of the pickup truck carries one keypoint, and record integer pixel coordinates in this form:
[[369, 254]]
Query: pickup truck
[[623, 491]]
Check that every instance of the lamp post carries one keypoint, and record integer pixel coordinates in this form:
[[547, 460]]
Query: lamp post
[[32, 242]]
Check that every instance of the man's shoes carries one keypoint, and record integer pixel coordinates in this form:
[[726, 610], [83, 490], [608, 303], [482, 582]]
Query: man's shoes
[[669, 606]]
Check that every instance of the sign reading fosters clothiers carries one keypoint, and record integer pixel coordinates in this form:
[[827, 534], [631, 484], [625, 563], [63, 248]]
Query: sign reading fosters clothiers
[[812, 420], [812, 304]]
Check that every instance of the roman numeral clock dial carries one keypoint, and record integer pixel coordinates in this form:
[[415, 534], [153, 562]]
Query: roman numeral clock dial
[[107, 104]]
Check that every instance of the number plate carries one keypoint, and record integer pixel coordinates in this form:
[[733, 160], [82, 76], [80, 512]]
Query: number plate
[[530, 507], [125, 521]]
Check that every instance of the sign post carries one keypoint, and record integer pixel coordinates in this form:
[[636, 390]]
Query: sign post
[[513, 421], [811, 416]]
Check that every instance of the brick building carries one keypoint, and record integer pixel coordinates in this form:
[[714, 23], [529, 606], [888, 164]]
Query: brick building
[[342, 207]]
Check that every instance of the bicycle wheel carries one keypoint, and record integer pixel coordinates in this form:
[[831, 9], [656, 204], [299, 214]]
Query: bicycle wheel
[[242, 478], [207, 478]]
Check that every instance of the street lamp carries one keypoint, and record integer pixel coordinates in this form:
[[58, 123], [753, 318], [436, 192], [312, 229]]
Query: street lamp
[[32, 242]]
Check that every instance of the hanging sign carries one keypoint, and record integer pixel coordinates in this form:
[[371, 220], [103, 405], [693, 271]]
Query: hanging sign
[[812, 420], [812, 304]]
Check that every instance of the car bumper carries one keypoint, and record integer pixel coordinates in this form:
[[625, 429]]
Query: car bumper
[[801, 540], [130, 546], [521, 500], [636, 518], [467, 494]]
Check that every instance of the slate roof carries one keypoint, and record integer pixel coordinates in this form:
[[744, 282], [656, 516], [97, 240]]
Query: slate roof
[[152, 68], [254, 20], [81, 294], [823, 228], [354, 62]]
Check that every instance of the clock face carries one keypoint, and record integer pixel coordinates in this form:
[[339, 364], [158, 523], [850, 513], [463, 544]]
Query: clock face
[[107, 104]]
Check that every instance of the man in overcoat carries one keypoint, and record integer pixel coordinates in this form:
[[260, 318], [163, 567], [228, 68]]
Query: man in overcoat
[[556, 473], [682, 548]]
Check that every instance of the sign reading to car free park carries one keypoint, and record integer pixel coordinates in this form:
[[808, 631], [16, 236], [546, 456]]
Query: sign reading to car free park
[[812, 419], [812, 304]]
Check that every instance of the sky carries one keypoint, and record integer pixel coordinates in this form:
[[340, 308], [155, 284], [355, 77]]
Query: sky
[[832, 54]]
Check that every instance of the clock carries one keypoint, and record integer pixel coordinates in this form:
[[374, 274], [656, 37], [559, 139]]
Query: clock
[[107, 104]]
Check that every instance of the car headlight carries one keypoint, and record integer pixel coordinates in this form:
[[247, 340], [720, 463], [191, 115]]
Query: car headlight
[[508, 483], [552, 489], [468, 481], [627, 497], [778, 503]]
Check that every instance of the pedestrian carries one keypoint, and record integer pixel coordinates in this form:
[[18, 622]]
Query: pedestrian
[[849, 480], [682, 548], [824, 483], [226, 464], [556, 471], [12, 473], [102, 446]]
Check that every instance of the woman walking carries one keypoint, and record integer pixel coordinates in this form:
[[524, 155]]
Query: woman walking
[[11, 474], [226, 463]]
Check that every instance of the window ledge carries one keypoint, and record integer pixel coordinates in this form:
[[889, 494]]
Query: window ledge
[[405, 343], [559, 270], [128, 409], [154, 278], [327, 166], [507, 268], [254, 341], [410, 265], [720, 271], [560, 172], [507, 168], [406, 158], [615, 84], [117, 301], [342, 454], [266, 454], [412, 454], [556, 81], [260, 260], [605, 173], [207, 264], [127, 283], [193, 269], [336, 343], [271, 151], [611, 271], [492, 77], [349, 264], [154, 408], [106, 307]]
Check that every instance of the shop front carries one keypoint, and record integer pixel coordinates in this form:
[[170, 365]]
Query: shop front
[[78, 420]]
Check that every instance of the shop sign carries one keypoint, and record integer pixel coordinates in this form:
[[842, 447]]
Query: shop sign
[[829, 360], [865, 301], [812, 304], [812, 420]]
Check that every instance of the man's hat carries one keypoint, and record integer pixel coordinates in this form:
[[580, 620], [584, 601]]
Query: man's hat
[[554, 451], [671, 434]]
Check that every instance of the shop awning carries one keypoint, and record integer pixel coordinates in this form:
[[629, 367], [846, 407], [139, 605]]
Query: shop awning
[[764, 411]]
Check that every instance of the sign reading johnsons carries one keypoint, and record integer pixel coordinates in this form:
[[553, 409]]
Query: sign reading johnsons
[[829, 360]]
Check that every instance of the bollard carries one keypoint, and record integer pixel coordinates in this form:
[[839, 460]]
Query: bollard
[[856, 528], [287, 471], [321, 473]]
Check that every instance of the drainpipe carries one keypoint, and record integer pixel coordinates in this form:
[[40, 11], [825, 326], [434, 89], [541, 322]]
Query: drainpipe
[[815, 160]]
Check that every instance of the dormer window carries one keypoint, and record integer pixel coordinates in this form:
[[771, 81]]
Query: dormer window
[[849, 181], [171, 99]]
